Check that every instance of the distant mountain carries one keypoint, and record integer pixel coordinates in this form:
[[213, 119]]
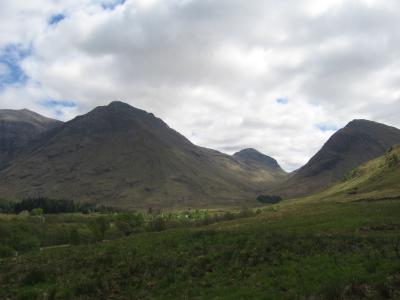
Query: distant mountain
[[252, 158], [356, 143], [19, 127], [122, 156]]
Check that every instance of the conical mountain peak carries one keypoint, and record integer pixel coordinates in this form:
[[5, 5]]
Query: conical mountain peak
[[253, 157]]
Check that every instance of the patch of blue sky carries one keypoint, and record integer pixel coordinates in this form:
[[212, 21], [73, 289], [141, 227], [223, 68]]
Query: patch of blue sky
[[282, 101], [55, 19], [326, 127], [52, 103], [112, 4], [10, 59]]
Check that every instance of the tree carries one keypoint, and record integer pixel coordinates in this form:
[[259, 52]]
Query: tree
[[269, 199], [37, 212], [98, 227]]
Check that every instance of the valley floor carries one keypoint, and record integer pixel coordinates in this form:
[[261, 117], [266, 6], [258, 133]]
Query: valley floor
[[294, 250]]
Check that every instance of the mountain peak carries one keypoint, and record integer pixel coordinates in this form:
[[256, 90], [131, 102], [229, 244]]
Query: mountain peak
[[253, 157], [358, 142], [18, 127], [119, 104]]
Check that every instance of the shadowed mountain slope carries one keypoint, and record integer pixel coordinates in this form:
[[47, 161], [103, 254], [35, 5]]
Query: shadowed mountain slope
[[356, 143], [254, 159], [377, 179], [122, 156], [18, 128]]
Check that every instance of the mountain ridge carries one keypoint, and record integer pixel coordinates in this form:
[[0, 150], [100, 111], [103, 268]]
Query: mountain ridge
[[356, 143], [18, 128], [122, 156]]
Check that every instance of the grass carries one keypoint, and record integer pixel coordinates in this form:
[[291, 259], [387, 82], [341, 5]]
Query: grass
[[325, 250], [326, 246]]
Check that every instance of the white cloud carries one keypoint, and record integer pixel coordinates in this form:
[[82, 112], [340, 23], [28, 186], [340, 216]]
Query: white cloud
[[214, 69]]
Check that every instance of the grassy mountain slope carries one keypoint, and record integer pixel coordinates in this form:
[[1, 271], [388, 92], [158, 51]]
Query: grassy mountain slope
[[378, 179], [356, 143], [122, 156]]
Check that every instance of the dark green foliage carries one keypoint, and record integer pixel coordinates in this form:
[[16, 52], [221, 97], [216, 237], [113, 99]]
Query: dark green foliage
[[34, 276], [6, 251], [37, 212], [74, 236], [7, 206], [320, 251], [157, 224], [352, 174], [392, 159], [51, 206], [129, 223], [99, 226], [269, 199]]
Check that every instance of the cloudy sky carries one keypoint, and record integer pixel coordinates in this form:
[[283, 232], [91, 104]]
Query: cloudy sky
[[279, 76]]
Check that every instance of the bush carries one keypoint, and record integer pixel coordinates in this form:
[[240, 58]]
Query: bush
[[99, 226], [352, 174], [6, 251], [392, 160], [26, 242], [269, 199], [37, 212], [74, 237], [6, 206], [129, 223], [157, 224]]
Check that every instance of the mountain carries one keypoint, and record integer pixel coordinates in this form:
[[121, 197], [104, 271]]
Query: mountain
[[18, 128], [122, 156], [375, 180], [356, 143], [254, 159]]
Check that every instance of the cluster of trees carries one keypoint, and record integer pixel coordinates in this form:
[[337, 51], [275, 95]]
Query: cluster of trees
[[269, 199], [33, 230], [392, 159], [50, 206]]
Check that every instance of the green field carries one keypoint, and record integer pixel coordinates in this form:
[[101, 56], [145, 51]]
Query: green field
[[341, 244]]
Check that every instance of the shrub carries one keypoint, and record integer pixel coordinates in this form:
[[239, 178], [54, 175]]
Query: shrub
[[269, 199], [74, 237], [26, 242], [99, 226], [6, 251], [392, 160], [34, 276], [246, 212], [352, 174], [37, 212], [157, 224]]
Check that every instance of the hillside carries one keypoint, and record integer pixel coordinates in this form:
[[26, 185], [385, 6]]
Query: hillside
[[254, 159], [122, 156], [356, 143], [18, 128], [378, 179], [294, 250]]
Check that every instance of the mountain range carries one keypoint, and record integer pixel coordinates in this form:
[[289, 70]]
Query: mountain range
[[121, 156]]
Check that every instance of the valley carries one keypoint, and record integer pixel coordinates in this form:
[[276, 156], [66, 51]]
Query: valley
[[117, 205]]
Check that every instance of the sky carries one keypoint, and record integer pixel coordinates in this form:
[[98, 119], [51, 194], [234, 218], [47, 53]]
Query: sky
[[278, 76]]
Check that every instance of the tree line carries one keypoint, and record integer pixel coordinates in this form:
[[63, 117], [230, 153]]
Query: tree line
[[51, 206]]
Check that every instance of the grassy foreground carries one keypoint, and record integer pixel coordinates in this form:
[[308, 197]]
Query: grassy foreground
[[324, 250], [343, 243]]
